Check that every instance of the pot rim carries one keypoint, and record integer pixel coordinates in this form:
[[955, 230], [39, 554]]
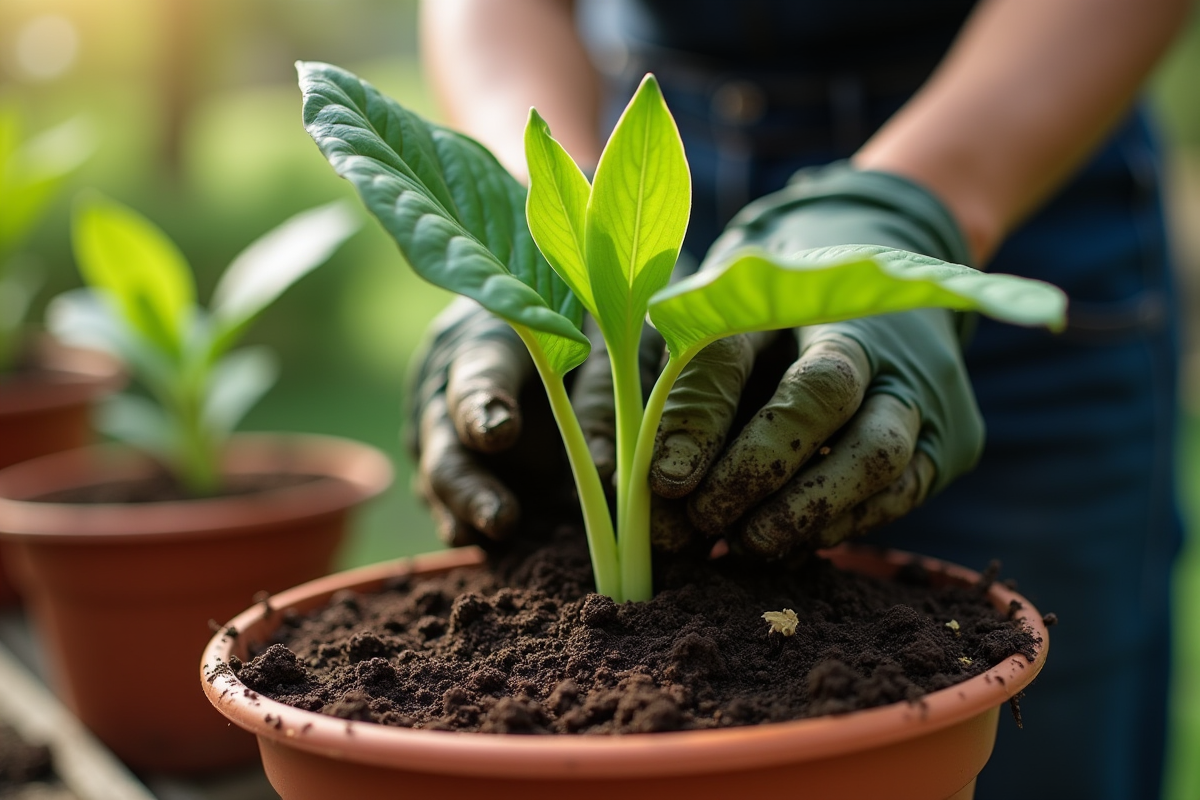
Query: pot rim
[[632, 756], [68, 376], [348, 472]]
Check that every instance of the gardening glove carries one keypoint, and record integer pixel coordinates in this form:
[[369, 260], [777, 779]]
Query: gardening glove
[[482, 433], [873, 416]]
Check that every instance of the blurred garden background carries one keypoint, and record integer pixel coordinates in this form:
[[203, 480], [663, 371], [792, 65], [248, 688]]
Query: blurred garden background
[[196, 115]]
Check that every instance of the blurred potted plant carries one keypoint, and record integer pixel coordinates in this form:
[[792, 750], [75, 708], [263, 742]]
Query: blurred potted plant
[[191, 521], [466, 225], [46, 389]]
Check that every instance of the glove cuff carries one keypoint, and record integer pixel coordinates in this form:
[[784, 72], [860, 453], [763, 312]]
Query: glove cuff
[[844, 205]]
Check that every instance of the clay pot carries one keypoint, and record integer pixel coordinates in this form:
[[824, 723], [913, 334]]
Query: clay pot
[[46, 409], [95, 573], [929, 750]]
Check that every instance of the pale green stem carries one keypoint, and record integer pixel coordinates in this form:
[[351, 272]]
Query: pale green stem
[[199, 468], [627, 398], [634, 544], [602, 542]]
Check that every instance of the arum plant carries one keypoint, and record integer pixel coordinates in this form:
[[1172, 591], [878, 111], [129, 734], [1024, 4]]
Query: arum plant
[[141, 305], [32, 170], [607, 247]]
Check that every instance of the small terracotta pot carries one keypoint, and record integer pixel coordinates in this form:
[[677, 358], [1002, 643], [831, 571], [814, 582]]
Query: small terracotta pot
[[46, 409], [929, 750], [93, 574]]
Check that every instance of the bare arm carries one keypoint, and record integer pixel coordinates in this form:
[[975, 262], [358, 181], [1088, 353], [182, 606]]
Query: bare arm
[[1027, 92], [490, 61]]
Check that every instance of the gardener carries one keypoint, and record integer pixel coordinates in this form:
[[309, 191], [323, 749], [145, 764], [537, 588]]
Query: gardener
[[1019, 153]]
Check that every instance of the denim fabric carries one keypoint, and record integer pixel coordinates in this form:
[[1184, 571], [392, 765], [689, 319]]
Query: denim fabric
[[1075, 492]]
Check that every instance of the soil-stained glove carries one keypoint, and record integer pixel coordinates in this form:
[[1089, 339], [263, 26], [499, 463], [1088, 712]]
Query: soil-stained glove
[[873, 416], [481, 430]]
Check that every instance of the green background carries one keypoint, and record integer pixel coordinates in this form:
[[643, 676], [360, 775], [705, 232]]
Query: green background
[[198, 123]]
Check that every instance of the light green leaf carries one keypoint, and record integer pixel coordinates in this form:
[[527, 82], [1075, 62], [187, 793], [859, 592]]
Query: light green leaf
[[140, 422], [83, 318], [754, 291], [275, 261], [235, 384], [141, 271], [32, 172], [638, 212], [557, 206], [457, 215]]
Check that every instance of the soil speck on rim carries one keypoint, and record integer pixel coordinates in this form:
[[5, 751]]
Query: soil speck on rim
[[525, 646]]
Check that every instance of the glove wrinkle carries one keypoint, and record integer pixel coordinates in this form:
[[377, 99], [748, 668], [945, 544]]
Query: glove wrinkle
[[816, 396], [698, 413], [873, 452]]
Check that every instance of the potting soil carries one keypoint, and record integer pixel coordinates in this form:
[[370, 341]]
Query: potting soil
[[526, 646]]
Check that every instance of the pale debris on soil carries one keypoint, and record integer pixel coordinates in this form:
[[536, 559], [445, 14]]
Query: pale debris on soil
[[783, 622]]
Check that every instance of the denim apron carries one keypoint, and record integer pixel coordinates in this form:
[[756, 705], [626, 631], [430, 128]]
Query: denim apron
[[1075, 493]]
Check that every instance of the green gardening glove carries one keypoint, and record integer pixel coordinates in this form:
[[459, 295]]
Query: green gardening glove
[[489, 459], [874, 415]]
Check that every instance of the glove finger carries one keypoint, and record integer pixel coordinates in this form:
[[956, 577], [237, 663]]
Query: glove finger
[[670, 529], [484, 382], [452, 476], [816, 396], [872, 453], [697, 415], [592, 399], [452, 532], [897, 499]]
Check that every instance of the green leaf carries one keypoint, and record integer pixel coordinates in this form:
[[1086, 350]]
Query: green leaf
[[142, 272], [81, 317], [557, 206], [275, 261], [637, 214], [754, 291], [235, 384], [31, 173], [140, 422], [456, 214]]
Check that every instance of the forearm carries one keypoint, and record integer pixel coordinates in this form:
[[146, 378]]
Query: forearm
[[490, 61], [1028, 91]]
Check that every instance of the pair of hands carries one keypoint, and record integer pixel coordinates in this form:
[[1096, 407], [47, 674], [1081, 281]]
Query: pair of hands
[[855, 427]]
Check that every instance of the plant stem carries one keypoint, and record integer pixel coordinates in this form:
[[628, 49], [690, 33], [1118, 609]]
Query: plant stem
[[634, 544], [602, 541], [627, 399]]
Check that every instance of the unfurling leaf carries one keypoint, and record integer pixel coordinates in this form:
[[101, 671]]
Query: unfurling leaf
[[637, 215]]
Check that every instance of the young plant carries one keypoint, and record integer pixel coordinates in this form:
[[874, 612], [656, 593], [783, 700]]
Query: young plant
[[31, 172], [457, 216], [141, 306]]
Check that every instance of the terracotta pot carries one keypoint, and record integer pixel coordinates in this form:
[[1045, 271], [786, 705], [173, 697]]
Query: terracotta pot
[[94, 573], [47, 409], [931, 749]]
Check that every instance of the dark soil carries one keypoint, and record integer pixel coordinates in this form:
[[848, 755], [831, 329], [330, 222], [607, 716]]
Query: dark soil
[[526, 647], [163, 488]]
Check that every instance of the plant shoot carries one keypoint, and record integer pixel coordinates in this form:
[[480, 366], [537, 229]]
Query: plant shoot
[[608, 247], [141, 306]]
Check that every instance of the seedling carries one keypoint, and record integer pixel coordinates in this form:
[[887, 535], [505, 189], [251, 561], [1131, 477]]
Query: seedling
[[31, 173], [608, 247], [141, 305]]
